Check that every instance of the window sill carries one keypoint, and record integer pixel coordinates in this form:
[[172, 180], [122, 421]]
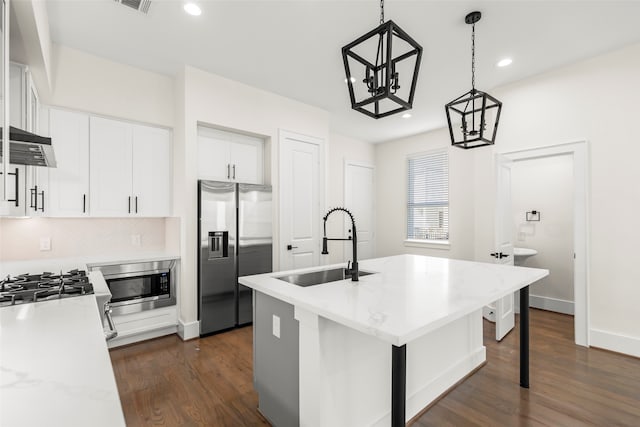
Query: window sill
[[431, 244]]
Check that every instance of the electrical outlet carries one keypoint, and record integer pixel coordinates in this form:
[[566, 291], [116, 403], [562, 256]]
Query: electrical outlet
[[45, 243], [135, 240], [276, 326]]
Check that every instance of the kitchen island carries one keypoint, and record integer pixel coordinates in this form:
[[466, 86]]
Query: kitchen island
[[405, 334], [54, 366]]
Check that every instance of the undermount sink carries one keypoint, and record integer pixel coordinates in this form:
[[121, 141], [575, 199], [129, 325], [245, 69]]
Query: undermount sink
[[319, 277], [521, 254]]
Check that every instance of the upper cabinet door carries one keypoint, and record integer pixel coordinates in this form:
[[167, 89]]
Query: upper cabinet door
[[213, 155], [69, 181], [152, 177], [246, 160], [110, 168]]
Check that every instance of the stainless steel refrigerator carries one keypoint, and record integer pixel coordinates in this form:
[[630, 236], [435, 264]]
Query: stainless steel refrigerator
[[235, 239]]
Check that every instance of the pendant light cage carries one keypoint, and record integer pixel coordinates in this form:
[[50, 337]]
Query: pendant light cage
[[381, 70], [474, 116]]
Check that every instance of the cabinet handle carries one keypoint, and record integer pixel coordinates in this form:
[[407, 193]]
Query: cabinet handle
[[84, 203], [17, 175], [234, 171], [41, 207], [33, 198], [228, 171], [136, 204], [129, 204]]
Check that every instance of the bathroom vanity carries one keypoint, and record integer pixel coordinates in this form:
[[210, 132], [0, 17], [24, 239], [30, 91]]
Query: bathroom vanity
[[343, 353]]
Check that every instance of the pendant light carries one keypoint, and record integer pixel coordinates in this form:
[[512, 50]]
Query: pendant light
[[473, 117], [382, 69]]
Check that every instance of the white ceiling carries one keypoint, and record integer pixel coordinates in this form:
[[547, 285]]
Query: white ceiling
[[293, 48]]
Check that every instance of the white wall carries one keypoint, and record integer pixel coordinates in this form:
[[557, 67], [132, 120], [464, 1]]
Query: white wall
[[215, 101], [341, 148], [593, 100], [86, 82], [20, 237], [545, 184], [391, 196]]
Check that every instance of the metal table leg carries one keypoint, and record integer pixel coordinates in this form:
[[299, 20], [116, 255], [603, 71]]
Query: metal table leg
[[524, 337], [398, 385]]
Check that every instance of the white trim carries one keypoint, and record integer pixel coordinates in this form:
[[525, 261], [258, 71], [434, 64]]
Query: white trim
[[552, 304], [615, 342], [580, 152], [121, 340], [189, 330], [430, 244]]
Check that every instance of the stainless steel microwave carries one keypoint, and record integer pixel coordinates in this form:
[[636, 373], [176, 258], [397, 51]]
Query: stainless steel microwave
[[140, 286]]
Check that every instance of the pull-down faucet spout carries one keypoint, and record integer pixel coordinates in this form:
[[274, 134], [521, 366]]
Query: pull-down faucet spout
[[353, 271]]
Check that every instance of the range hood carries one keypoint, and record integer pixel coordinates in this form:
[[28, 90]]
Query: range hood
[[27, 148]]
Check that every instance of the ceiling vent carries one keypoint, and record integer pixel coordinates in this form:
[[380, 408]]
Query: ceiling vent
[[139, 5]]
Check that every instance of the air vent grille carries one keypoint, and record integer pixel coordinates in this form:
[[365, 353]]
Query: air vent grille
[[139, 5]]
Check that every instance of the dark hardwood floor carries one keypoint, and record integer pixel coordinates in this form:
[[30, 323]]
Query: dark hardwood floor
[[208, 382]]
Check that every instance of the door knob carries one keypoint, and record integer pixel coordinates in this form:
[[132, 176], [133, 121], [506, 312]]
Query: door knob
[[289, 247], [499, 255]]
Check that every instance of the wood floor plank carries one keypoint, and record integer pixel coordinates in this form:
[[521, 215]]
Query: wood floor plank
[[209, 382]]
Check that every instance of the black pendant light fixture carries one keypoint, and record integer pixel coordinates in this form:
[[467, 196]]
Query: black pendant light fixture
[[473, 117], [382, 69]]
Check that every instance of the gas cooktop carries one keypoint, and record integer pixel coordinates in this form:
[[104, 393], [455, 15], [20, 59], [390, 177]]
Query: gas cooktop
[[27, 288]]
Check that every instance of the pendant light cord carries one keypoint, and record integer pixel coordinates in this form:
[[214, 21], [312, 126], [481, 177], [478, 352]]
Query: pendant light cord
[[473, 57], [381, 11]]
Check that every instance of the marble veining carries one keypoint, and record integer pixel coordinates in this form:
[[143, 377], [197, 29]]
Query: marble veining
[[55, 367]]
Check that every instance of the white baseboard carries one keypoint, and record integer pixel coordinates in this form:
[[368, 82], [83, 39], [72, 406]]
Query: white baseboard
[[552, 304], [188, 331], [615, 342], [547, 303]]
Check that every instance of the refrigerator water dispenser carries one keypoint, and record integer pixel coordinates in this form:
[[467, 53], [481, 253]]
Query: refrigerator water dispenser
[[218, 244]]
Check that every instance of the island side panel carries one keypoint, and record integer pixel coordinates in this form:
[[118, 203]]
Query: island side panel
[[345, 375], [276, 360]]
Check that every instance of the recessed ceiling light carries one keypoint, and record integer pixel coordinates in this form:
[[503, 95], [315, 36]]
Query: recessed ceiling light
[[406, 115], [353, 79], [192, 9], [504, 62]]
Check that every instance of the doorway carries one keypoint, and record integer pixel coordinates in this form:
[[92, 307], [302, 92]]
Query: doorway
[[577, 153]]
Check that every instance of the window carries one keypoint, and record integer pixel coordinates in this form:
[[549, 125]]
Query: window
[[428, 196]]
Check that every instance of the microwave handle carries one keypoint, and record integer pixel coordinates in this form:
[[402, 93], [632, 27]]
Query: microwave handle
[[112, 330]]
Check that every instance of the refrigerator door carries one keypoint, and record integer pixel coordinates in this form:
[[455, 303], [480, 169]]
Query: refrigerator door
[[254, 241], [216, 256]]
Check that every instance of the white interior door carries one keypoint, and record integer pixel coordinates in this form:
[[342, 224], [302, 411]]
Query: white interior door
[[300, 216], [359, 199], [504, 308]]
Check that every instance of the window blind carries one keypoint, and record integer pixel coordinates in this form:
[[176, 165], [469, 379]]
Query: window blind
[[428, 196]]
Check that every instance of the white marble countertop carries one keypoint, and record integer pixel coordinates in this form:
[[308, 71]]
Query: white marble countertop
[[410, 296], [54, 366]]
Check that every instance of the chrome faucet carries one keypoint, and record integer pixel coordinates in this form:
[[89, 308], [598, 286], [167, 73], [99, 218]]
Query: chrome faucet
[[353, 270]]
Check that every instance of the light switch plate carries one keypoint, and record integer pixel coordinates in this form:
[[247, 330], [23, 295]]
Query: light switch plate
[[45, 243], [276, 326]]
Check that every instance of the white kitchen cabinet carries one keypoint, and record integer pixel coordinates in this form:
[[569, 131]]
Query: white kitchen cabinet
[[130, 169], [69, 181], [28, 184], [228, 156], [152, 166]]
